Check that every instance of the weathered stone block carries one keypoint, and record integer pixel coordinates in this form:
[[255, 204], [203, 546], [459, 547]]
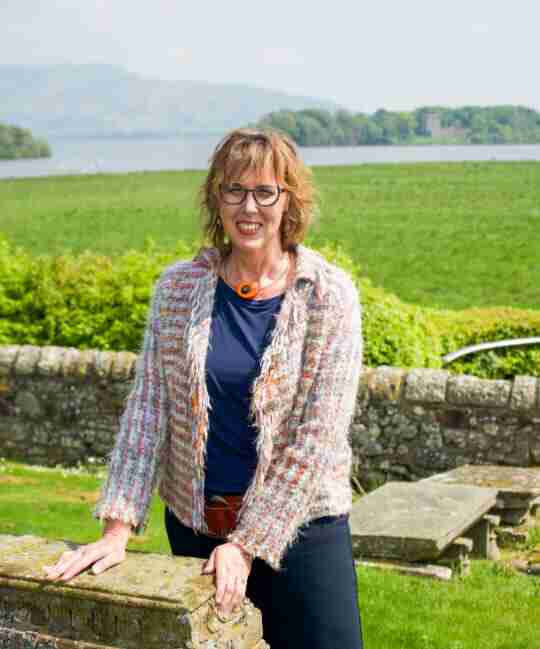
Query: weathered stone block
[[28, 405], [520, 455], [523, 393], [362, 396], [123, 367], [469, 390], [41, 436], [535, 450], [85, 364], [8, 355], [6, 425], [27, 360], [385, 383], [477, 441], [148, 601], [50, 363], [428, 386], [69, 362], [457, 438], [103, 363], [428, 459], [372, 449]]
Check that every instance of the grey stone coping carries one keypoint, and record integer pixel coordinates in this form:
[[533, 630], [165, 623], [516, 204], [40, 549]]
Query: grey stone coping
[[469, 390], [149, 600], [66, 362], [432, 387], [381, 384], [415, 521], [426, 386], [523, 395], [385, 383]]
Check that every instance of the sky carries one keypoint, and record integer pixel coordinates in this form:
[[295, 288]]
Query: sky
[[393, 54]]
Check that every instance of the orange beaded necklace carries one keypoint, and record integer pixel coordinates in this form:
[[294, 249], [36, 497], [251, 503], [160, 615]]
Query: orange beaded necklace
[[250, 290]]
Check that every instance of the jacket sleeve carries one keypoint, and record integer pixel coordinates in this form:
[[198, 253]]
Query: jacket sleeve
[[135, 459], [270, 523]]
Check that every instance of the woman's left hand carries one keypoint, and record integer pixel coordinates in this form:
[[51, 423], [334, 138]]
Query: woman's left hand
[[231, 566]]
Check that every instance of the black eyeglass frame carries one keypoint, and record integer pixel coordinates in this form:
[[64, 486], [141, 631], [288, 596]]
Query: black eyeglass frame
[[280, 190]]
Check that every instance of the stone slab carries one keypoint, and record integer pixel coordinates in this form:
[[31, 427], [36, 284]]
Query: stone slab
[[516, 486], [442, 573], [415, 521], [149, 600]]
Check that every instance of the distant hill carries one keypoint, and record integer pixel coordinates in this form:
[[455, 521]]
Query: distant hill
[[105, 100], [16, 142], [427, 125]]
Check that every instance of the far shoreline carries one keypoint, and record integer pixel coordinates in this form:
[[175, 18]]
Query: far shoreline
[[81, 157]]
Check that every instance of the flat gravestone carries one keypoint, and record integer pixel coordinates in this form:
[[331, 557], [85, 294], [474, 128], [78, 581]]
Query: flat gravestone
[[149, 601], [516, 486], [415, 521]]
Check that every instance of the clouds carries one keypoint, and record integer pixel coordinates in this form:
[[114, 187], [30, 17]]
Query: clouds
[[362, 55]]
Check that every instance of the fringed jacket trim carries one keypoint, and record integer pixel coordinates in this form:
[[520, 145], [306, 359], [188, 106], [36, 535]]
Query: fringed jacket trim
[[302, 403]]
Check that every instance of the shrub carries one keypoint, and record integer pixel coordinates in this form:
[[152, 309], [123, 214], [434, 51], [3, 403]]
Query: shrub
[[95, 302], [88, 302], [395, 333]]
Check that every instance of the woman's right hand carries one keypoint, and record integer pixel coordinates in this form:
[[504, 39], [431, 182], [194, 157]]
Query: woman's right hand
[[102, 554]]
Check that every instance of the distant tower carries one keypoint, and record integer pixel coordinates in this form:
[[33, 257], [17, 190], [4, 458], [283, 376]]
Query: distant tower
[[433, 124]]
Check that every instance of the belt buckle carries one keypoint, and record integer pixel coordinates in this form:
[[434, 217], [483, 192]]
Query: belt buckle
[[220, 516], [216, 498]]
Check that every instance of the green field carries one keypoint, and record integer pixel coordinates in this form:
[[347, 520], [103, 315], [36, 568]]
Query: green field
[[451, 235], [494, 608]]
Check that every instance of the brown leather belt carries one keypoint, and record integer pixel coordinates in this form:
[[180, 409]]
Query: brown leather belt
[[221, 513]]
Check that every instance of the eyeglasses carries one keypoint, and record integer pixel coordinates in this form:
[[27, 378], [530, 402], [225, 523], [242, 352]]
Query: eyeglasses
[[265, 196]]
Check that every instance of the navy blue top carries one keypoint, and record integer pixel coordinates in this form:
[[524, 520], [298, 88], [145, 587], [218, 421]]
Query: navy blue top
[[240, 332]]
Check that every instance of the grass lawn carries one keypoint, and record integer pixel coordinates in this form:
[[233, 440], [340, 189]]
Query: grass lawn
[[494, 608], [451, 235]]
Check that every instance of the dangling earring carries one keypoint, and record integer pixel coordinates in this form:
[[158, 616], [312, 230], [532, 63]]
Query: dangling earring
[[225, 235], [286, 224]]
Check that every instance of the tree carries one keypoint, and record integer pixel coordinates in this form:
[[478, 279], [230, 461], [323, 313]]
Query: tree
[[16, 142], [311, 132]]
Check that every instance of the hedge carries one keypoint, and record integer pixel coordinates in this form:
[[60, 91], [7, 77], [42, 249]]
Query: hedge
[[96, 302]]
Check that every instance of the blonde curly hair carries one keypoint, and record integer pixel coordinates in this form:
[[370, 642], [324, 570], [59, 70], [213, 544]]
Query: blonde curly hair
[[251, 150]]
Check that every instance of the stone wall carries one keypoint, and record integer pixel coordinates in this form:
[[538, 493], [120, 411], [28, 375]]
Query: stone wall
[[412, 424], [61, 406]]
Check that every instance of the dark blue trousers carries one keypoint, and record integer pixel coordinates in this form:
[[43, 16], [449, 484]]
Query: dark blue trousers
[[312, 602]]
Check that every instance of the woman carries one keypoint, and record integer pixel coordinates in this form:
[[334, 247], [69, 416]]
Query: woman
[[240, 410]]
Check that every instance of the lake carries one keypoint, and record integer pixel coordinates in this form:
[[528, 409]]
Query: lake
[[120, 155]]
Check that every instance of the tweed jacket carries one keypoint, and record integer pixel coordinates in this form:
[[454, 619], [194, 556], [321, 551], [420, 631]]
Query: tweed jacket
[[302, 404]]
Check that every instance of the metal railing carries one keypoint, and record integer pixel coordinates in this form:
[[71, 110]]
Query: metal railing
[[514, 342]]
